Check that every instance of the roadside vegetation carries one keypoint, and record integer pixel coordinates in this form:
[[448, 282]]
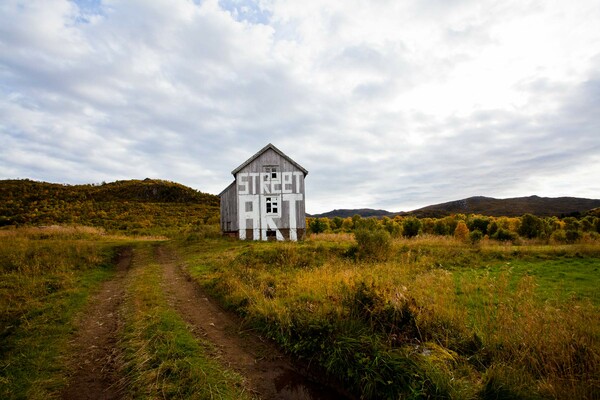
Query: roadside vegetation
[[427, 316], [46, 276]]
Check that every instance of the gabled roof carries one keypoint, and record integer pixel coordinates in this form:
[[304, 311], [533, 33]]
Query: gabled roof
[[261, 151]]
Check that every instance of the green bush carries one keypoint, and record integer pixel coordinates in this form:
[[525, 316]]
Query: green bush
[[475, 236], [411, 227], [531, 226], [572, 235], [319, 225], [373, 244], [559, 236], [479, 223], [504, 235]]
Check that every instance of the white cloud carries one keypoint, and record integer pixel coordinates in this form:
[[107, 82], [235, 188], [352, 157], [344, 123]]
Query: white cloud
[[387, 104]]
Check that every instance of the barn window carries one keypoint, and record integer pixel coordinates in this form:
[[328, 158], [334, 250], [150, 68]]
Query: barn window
[[248, 206], [272, 172], [271, 233], [272, 204]]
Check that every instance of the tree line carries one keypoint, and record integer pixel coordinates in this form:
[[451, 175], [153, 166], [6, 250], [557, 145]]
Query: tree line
[[470, 227]]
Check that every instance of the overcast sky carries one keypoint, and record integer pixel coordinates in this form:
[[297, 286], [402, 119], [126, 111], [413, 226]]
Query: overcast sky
[[388, 104]]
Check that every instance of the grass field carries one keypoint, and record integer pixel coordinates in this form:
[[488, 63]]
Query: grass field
[[437, 318], [47, 278], [428, 317]]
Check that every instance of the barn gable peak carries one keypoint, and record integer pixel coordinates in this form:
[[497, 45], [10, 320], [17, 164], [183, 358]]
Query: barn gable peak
[[276, 150]]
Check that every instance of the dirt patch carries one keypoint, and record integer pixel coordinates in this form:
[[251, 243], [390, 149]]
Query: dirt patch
[[96, 357], [269, 373]]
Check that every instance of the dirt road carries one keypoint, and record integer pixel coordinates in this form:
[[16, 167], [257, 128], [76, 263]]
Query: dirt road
[[269, 373], [95, 366], [96, 356]]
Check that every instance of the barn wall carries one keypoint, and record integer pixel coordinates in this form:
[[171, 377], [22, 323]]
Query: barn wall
[[290, 222], [229, 209]]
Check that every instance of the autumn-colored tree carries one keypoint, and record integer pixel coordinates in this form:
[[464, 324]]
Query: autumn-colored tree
[[461, 232], [392, 226], [347, 224], [428, 225]]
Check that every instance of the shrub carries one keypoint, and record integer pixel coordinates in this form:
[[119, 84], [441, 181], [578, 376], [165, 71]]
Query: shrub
[[504, 235], [392, 227], [318, 225], [572, 236], [373, 244], [411, 227], [558, 236], [531, 226], [479, 223], [336, 223], [370, 223], [475, 236], [440, 227]]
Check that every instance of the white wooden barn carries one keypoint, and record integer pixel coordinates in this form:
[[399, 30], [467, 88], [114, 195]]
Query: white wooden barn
[[266, 199]]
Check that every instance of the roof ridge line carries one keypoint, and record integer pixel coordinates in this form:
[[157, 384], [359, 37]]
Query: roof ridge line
[[276, 150]]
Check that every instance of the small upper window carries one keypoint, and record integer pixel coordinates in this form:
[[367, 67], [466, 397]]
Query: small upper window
[[272, 172]]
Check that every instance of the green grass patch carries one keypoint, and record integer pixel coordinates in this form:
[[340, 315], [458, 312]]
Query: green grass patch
[[559, 279]]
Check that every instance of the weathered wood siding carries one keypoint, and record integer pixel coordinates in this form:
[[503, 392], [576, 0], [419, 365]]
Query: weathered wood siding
[[229, 209], [266, 204]]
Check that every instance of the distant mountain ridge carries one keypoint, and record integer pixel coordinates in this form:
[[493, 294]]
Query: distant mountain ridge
[[363, 212], [512, 207]]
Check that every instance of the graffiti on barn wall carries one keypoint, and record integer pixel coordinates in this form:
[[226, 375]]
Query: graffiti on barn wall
[[262, 197]]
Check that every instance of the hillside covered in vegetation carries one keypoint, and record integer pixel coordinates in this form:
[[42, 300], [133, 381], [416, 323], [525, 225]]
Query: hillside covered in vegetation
[[514, 207], [489, 206], [134, 205]]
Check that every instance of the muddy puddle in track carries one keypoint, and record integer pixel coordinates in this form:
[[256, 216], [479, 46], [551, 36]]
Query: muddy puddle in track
[[291, 385]]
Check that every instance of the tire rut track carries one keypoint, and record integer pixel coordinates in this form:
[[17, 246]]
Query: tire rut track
[[96, 356], [269, 373]]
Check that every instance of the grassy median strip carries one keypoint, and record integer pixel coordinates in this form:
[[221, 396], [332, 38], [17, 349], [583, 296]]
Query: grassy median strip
[[162, 358]]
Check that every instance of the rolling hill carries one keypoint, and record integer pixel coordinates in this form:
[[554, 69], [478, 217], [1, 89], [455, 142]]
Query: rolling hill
[[513, 207], [122, 205], [363, 212]]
